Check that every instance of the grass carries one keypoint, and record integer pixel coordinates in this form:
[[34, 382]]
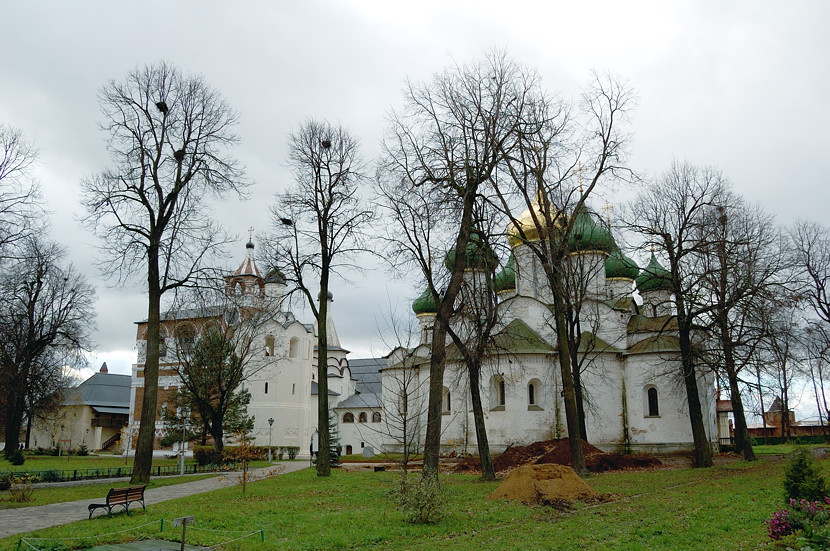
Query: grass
[[719, 508], [61, 494]]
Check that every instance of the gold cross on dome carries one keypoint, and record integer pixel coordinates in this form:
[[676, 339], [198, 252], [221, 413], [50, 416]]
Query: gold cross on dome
[[579, 172], [251, 233], [608, 208]]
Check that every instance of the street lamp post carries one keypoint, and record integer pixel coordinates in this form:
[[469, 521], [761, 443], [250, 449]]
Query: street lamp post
[[184, 426], [270, 425]]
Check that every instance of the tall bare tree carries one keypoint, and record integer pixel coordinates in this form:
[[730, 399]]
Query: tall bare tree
[[442, 150], [672, 215], [473, 327], [744, 265], [320, 226], [169, 135], [46, 313], [552, 154]]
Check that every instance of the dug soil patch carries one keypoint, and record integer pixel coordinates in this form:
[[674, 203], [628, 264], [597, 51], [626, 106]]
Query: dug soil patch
[[558, 452], [543, 484]]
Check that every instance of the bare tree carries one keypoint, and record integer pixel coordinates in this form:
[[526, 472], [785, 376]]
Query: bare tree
[[744, 265], [816, 355], [551, 155], [472, 328], [168, 135], [441, 151], [320, 226], [19, 194], [46, 312], [781, 322], [672, 216], [811, 245]]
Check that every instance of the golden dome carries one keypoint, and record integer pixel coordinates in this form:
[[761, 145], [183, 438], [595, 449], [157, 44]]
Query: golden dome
[[525, 229]]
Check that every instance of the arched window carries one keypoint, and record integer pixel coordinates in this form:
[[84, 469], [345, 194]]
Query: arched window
[[269, 345], [185, 337], [446, 401], [497, 392], [362, 418], [348, 417], [294, 347], [376, 417], [653, 404], [534, 398], [266, 387]]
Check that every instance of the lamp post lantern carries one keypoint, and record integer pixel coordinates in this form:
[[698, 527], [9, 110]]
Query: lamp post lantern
[[270, 426]]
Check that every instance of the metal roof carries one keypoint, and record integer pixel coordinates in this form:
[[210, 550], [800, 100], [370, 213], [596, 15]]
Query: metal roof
[[102, 390]]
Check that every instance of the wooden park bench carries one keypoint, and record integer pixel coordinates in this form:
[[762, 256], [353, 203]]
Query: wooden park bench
[[121, 496]]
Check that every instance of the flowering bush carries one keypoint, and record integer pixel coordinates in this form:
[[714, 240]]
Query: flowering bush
[[809, 517]]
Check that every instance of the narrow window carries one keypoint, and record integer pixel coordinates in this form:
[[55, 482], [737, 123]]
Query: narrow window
[[653, 406], [293, 385], [501, 392], [266, 388], [376, 417], [446, 401], [269, 345], [531, 394], [362, 417], [294, 347]]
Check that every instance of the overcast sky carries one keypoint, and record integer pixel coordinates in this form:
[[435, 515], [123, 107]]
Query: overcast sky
[[738, 85]]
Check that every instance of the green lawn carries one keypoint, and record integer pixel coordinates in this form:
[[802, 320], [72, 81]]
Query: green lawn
[[719, 508], [60, 494]]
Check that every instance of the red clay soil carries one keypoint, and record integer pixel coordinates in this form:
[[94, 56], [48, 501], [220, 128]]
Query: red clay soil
[[559, 452]]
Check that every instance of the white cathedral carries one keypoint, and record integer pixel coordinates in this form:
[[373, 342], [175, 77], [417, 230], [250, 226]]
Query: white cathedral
[[633, 396]]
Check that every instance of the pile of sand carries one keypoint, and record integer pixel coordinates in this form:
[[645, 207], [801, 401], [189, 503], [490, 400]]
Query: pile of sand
[[543, 483]]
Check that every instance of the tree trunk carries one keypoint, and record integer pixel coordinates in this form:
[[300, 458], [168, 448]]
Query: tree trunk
[[323, 436], [438, 352], [702, 452], [743, 444], [568, 391], [487, 472], [147, 428], [432, 440], [580, 401], [14, 415]]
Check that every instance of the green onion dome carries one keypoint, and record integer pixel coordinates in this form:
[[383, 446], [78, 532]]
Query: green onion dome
[[425, 304], [619, 265], [479, 255], [654, 277], [505, 280], [587, 235]]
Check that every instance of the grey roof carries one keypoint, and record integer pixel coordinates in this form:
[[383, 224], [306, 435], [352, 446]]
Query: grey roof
[[315, 390], [366, 372], [360, 400], [104, 390], [190, 313], [118, 411]]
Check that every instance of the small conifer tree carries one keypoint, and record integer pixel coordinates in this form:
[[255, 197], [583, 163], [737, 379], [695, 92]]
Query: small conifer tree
[[802, 480]]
